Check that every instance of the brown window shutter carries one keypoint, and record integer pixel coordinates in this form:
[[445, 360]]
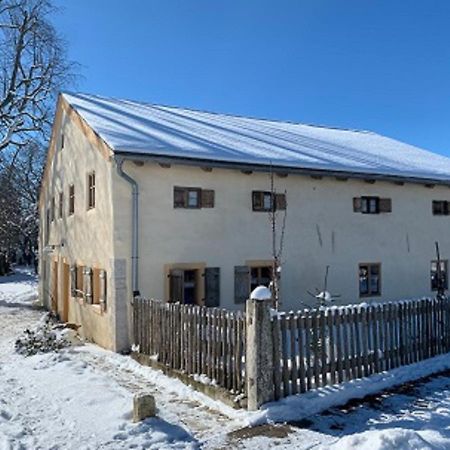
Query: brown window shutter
[[96, 286], [73, 280], [88, 285], [102, 277], [280, 201], [80, 280], [176, 281], [207, 198], [257, 200], [385, 205], [179, 197], [212, 287], [241, 284], [357, 204]]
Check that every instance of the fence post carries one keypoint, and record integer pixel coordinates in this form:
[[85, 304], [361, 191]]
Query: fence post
[[259, 350]]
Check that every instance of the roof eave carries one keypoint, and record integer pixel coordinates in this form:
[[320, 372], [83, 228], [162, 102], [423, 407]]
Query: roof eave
[[159, 159]]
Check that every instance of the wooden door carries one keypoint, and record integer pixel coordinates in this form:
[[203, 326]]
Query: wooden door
[[65, 293], [54, 295]]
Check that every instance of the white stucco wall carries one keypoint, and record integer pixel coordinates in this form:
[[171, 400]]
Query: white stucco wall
[[87, 234], [322, 229]]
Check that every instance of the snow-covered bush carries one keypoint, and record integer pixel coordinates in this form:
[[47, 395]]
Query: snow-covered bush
[[43, 339]]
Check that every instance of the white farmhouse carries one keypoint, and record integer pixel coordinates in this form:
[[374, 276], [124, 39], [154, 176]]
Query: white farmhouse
[[173, 204]]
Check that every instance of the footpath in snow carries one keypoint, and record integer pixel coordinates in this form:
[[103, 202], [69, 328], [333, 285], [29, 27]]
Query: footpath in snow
[[81, 398]]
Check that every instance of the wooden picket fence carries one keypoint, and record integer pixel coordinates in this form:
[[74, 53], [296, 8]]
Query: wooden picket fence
[[194, 340], [320, 347]]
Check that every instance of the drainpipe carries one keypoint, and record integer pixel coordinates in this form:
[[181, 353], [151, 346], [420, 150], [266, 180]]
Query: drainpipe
[[134, 225]]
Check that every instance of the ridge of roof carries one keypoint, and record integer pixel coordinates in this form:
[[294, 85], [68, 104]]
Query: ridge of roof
[[216, 113]]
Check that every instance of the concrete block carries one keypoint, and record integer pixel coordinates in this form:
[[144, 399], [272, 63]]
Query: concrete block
[[143, 407]]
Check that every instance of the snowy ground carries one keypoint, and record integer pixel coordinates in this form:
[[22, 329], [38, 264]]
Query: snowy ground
[[81, 398]]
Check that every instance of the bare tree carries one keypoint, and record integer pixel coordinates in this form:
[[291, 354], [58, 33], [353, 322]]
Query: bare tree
[[278, 233], [33, 68]]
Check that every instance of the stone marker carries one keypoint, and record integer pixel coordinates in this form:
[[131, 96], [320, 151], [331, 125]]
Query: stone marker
[[143, 407]]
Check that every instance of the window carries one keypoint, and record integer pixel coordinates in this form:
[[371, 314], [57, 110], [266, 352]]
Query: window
[[369, 279], [184, 286], [91, 190], [52, 209], [80, 281], [62, 141], [71, 199], [263, 201], [372, 205], [437, 282], [260, 276], [192, 198], [249, 277], [440, 208], [60, 205]]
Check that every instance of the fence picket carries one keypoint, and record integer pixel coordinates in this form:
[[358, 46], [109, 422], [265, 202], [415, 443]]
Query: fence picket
[[308, 350], [293, 353], [276, 331], [301, 351], [332, 354], [284, 343], [324, 347]]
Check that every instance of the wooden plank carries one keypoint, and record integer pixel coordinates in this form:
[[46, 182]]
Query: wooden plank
[[370, 346], [308, 344], [427, 348], [358, 341], [332, 355], [339, 344], [401, 334], [446, 325], [410, 332], [407, 333], [391, 336], [284, 343], [396, 334], [324, 347], [301, 352], [276, 331], [189, 339], [374, 345], [346, 343], [440, 326], [415, 325], [177, 337], [221, 347], [238, 357], [365, 340], [293, 352], [216, 344], [316, 351], [420, 330], [241, 353], [209, 346], [352, 343], [384, 328], [229, 354]]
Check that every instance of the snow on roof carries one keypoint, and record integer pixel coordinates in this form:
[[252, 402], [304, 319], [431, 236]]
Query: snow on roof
[[131, 127]]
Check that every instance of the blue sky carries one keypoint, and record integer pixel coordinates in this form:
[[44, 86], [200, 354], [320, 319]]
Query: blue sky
[[379, 65]]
